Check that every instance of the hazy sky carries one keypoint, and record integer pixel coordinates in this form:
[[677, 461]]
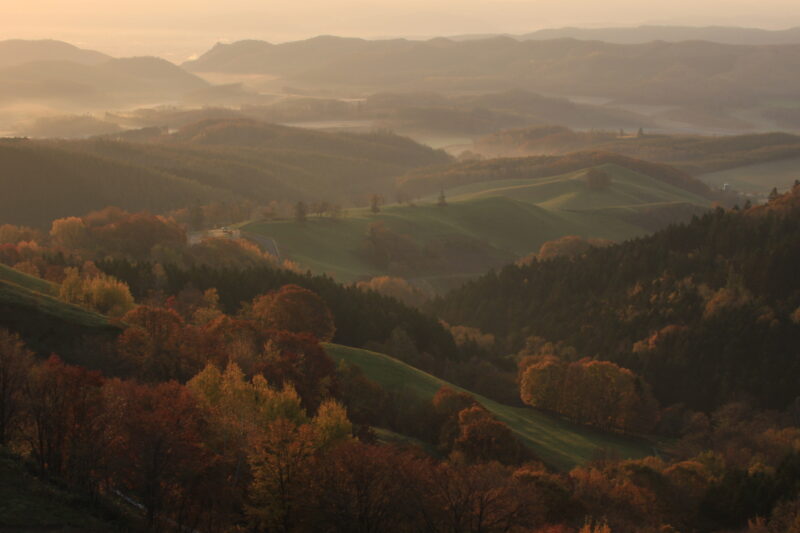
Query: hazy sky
[[177, 29]]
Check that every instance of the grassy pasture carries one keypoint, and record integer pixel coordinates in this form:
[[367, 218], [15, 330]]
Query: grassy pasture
[[559, 443]]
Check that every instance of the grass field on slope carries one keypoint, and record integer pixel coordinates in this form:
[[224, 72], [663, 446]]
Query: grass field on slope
[[757, 179], [26, 280], [499, 221], [557, 442], [18, 289], [569, 192]]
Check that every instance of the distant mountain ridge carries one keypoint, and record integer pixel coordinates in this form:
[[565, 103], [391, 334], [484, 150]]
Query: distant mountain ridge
[[647, 33], [19, 51], [108, 82], [659, 73]]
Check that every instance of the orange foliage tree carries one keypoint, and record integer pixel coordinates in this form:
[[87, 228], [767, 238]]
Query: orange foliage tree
[[597, 393], [295, 309]]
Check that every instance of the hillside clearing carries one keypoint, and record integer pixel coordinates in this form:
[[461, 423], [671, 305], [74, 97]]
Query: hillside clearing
[[560, 444]]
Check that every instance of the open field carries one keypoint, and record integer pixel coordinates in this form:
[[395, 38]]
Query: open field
[[484, 225], [558, 443], [757, 179]]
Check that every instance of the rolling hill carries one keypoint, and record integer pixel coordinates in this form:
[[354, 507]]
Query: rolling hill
[[751, 163], [560, 444], [215, 160], [759, 178], [484, 225]]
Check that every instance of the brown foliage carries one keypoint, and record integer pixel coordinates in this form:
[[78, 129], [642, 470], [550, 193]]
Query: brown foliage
[[397, 288], [66, 421], [597, 393], [155, 342], [156, 444], [295, 309], [15, 364], [299, 360]]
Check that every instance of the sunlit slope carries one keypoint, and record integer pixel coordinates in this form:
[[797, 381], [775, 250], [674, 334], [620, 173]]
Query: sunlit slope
[[569, 191], [26, 281], [491, 223], [19, 291], [560, 444]]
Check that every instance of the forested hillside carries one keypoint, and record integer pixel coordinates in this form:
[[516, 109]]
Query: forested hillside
[[707, 312]]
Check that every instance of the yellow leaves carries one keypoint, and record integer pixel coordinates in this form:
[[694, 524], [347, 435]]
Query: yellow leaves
[[206, 385], [599, 527], [69, 232], [247, 407], [331, 424], [463, 335], [104, 294], [726, 298]]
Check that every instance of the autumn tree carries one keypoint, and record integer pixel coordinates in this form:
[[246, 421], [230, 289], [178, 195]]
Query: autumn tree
[[135, 235], [397, 288], [368, 488], [154, 342], [299, 360], [244, 406], [10, 234], [102, 293], [295, 309], [156, 442], [474, 498], [447, 404], [66, 421], [598, 393], [482, 438], [70, 232], [16, 362]]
